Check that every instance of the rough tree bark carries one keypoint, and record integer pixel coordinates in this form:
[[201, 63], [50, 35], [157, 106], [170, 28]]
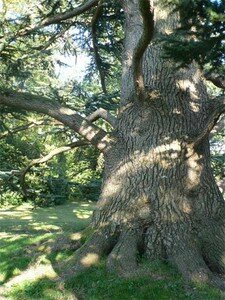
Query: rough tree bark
[[159, 196]]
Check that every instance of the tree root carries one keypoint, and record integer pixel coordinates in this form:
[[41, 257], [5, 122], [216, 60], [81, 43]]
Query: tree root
[[190, 263], [213, 247], [154, 244], [123, 258], [195, 256], [100, 243]]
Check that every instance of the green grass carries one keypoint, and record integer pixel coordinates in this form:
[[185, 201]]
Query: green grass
[[29, 237], [33, 241]]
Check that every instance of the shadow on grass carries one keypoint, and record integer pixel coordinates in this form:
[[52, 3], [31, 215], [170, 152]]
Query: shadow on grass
[[27, 236], [42, 289], [38, 251], [24, 219], [97, 284]]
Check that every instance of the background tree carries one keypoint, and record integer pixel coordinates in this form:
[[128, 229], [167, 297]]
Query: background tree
[[159, 196]]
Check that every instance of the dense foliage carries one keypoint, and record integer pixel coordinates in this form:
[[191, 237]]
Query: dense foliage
[[67, 176], [29, 62], [200, 36]]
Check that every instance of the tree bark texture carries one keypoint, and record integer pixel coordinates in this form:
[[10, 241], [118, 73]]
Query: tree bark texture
[[159, 196]]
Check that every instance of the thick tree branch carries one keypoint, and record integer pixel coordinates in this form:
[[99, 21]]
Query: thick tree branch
[[52, 39], [5, 41], [214, 117], [220, 126], [147, 14], [139, 26], [95, 135], [98, 60], [104, 114], [61, 17], [46, 158], [217, 79]]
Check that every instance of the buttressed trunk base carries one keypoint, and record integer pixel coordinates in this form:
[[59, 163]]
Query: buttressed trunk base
[[159, 197]]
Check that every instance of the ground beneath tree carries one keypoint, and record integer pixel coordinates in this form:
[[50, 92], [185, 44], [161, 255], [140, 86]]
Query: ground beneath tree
[[33, 241]]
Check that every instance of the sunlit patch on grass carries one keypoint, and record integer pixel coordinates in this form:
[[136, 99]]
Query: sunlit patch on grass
[[38, 226], [6, 235], [2, 276], [28, 237], [52, 217], [82, 213], [40, 289], [27, 218], [32, 274]]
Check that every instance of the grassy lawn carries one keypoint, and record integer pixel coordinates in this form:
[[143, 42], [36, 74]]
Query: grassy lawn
[[30, 240], [33, 241]]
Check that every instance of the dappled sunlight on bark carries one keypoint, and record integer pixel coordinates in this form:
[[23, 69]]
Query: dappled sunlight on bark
[[90, 259]]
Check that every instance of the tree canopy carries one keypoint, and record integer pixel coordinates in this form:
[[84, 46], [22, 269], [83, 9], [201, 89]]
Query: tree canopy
[[200, 36], [31, 34]]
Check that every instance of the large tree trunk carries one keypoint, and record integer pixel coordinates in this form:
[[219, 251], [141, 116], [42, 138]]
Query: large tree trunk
[[159, 196]]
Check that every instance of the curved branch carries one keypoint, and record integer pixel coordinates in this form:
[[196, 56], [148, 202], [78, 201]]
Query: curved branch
[[92, 133], [5, 41], [214, 117], [217, 79], [140, 29], [61, 17], [147, 13], [46, 158], [219, 127], [104, 114], [97, 56], [52, 39]]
